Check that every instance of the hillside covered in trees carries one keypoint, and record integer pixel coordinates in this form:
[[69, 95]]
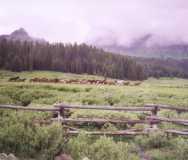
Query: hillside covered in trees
[[19, 56], [74, 58], [155, 67]]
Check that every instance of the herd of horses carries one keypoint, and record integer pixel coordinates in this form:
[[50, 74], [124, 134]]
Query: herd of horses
[[75, 81]]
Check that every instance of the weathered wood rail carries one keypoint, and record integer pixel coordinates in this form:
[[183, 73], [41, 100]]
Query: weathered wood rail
[[108, 133], [152, 118], [60, 107], [170, 120], [111, 108], [175, 132], [41, 109], [100, 121], [167, 107], [127, 132]]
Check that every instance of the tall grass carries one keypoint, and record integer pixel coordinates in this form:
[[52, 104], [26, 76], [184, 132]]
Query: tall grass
[[21, 135]]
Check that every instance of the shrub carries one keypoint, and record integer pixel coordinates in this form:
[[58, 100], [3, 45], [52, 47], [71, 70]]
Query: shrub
[[109, 127], [103, 148], [79, 147], [90, 101], [25, 99], [181, 148], [69, 89], [111, 100], [162, 155], [106, 149], [178, 150], [19, 135], [154, 140], [22, 95], [88, 89]]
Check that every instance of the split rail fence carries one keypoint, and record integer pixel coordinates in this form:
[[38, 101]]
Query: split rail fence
[[150, 111]]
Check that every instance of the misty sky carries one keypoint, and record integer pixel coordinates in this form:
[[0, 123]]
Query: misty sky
[[87, 20]]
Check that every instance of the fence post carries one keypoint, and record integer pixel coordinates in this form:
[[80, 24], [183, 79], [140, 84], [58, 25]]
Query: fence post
[[155, 110], [178, 112], [154, 113], [61, 114]]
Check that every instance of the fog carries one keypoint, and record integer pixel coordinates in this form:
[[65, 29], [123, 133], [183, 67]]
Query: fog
[[99, 21]]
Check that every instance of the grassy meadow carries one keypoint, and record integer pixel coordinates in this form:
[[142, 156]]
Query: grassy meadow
[[26, 140], [172, 91]]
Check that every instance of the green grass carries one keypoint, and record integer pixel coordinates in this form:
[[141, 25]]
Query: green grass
[[171, 91], [4, 75]]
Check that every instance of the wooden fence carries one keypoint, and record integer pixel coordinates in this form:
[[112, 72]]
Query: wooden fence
[[151, 117]]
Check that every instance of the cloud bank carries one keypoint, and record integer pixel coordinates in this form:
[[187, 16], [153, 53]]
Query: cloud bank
[[105, 21]]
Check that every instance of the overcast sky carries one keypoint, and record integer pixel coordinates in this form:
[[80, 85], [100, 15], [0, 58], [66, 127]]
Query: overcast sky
[[87, 20]]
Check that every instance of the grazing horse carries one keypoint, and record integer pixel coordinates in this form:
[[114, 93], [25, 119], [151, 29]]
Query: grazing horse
[[14, 78], [119, 82]]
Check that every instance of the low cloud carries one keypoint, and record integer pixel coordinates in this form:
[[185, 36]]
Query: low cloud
[[105, 21]]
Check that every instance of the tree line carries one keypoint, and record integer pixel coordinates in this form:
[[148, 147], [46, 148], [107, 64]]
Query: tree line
[[73, 58], [155, 67]]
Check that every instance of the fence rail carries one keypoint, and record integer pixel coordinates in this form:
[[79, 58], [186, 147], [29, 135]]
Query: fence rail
[[108, 133], [58, 107], [151, 118], [170, 120], [100, 121], [167, 107], [41, 109], [128, 132], [175, 132], [111, 108]]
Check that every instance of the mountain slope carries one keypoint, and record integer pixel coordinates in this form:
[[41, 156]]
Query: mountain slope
[[149, 46], [21, 35]]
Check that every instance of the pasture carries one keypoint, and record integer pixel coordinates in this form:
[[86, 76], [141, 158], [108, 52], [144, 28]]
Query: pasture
[[172, 91], [160, 91]]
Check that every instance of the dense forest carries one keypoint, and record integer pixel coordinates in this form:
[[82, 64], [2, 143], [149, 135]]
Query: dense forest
[[155, 67], [74, 58], [20, 56]]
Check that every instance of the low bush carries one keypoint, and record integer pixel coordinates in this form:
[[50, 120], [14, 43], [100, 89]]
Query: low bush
[[79, 147], [162, 155], [90, 101], [103, 148], [111, 100], [88, 89], [21, 136], [23, 95], [181, 148], [70, 89], [153, 140], [178, 150], [25, 99]]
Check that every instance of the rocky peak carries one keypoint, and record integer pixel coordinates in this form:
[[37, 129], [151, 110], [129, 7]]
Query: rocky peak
[[20, 32], [21, 35]]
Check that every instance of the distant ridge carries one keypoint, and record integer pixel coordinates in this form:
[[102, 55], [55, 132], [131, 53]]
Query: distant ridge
[[147, 46], [21, 35]]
